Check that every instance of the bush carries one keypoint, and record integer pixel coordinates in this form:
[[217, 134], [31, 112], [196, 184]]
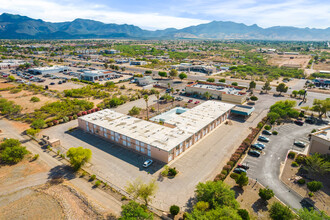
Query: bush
[[84, 173], [38, 123], [78, 156], [234, 176], [123, 198], [294, 164], [55, 122], [300, 159], [260, 125], [301, 181], [244, 214], [172, 171], [310, 194], [97, 183], [34, 99], [224, 172], [93, 177], [227, 167], [65, 119], [35, 157], [254, 98], [291, 155], [266, 194], [231, 163], [275, 133], [314, 186], [32, 131], [268, 127], [74, 116], [278, 211], [174, 210], [14, 154]]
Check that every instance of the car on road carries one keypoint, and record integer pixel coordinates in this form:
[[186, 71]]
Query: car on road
[[300, 144], [190, 101], [52, 83], [263, 138], [147, 163], [267, 132], [245, 167], [178, 99], [239, 170], [254, 153], [259, 145], [299, 122]]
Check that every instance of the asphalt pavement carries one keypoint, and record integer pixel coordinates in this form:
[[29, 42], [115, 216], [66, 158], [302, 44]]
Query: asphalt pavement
[[266, 169]]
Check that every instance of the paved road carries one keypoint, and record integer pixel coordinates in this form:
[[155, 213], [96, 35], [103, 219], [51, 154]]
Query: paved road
[[266, 168], [97, 195]]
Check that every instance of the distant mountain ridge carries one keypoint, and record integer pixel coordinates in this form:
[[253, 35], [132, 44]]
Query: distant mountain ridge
[[22, 27]]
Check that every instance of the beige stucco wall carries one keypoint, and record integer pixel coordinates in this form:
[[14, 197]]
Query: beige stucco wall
[[319, 145]]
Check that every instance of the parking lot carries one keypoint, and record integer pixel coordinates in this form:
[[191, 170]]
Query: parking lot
[[266, 168]]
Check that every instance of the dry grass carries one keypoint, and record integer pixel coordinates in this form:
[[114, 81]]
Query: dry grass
[[284, 60]]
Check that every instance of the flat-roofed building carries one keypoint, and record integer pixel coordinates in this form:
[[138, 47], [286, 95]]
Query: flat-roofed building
[[163, 143], [320, 141], [48, 70], [7, 64], [208, 69], [94, 75], [227, 93]]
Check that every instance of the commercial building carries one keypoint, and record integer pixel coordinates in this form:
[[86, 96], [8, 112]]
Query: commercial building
[[195, 68], [320, 141], [8, 64], [94, 75], [321, 82], [161, 142], [138, 62], [223, 92], [48, 70]]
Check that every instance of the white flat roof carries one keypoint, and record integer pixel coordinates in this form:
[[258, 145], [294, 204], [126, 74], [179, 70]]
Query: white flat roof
[[160, 136], [323, 133], [227, 90], [49, 68]]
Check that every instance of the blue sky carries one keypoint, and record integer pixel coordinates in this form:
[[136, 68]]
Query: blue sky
[[161, 14]]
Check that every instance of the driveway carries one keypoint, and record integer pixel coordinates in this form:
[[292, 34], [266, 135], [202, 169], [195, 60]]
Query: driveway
[[266, 168]]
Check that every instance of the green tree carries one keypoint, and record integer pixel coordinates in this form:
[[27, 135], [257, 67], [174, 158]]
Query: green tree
[[134, 210], [38, 123], [281, 88], [266, 87], [78, 156], [242, 180], [216, 194], [207, 95], [11, 151], [278, 211], [254, 98], [234, 84], [244, 214], [146, 99], [316, 165], [174, 210], [10, 142], [223, 80], [32, 131], [301, 92], [252, 85], [202, 206], [295, 93], [114, 102], [266, 194], [134, 111], [162, 74], [11, 78], [105, 65], [138, 189], [157, 95], [148, 72], [220, 212], [321, 106], [314, 186], [173, 72], [305, 214], [182, 76], [210, 80], [273, 116]]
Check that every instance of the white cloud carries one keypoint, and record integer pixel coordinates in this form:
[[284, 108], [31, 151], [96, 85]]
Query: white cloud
[[54, 12]]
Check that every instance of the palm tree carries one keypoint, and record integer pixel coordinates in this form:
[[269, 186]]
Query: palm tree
[[172, 90], [158, 95], [146, 98], [207, 95]]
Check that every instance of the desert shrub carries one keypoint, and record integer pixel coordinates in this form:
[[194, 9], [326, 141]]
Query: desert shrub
[[65, 119], [231, 163], [70, 118], [34, 99], [268, 127], [50, 124], [174, 210], [55, 122], [244, 214], [254, 98], [310, 194], [266, 194], [291, 155], [260, 125], [92, 178], [97, 183], [275, 133], [314, 186], [172, 171], [294, 164], [301, 181], [123, 198], [35, 157], [74, 116], [234, 176], [32, 131], [300, 159], [84, 173], [89, 111], [224, 172], [227, 167]]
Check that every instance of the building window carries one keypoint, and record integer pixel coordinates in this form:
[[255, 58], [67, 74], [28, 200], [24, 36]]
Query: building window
[[128, 144], [112, 133], [136, 142], [112, 138], [137, 148], [170, 158], [142, 144], [123, 137], [124, 143], [142, 149], [148, 147], [128, 139]]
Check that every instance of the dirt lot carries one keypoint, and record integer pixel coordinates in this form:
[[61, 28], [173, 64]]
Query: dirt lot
[[23, 99], [249, 199], [322, 66], [321, 198], [284, 60], [3, 85]]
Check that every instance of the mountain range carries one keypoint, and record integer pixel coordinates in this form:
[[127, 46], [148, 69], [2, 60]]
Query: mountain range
[[22, 27]]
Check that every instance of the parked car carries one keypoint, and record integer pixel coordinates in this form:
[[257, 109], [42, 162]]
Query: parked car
[[239, 170], [263, 138], [245, 167], [190, 101], [147, 163], [300, 143], [59, 82], [299, 122], [310, 120], [254, 153], [197, 102], [259, 145], [178, 98], [52, 83], [267, 132]]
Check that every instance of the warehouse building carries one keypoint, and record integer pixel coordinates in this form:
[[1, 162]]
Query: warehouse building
[[48, 70], [320, 141], [163, 143], [227, 93]]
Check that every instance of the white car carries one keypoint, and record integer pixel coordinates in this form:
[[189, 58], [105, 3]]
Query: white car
[[147, 163]]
